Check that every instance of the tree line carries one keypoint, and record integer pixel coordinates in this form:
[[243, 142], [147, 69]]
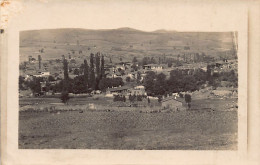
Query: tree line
[[183, 81]]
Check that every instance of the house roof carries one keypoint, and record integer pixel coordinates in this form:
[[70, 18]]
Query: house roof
[[151, 65], [118, 88], [170, 99]]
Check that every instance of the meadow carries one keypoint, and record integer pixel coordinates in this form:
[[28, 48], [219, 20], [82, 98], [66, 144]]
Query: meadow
[[124, 130]]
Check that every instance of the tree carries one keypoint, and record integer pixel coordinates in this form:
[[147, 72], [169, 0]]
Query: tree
[[189, 83], [76, 71], [153, 61], [149, 82], [138, 79], [135, 60], [139, 98], [159, 99], [134, 66], [78, 85], [85, 71], [127, 79], [51, 78], [98, 70], [145, 61], [97, 60], [39, 59], [132, 98], [81, 69], [66, 75], [92, 79], [169, 64], [35, 85], [188, 99], [110, 82], [65, 94], [148, 100], [102, 67], [160, 84], [21, 82]]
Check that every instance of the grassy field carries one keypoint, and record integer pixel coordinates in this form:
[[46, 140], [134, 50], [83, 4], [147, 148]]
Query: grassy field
[[184, 130]]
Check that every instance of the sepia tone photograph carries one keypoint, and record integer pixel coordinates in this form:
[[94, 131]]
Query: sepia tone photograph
[[129, 82], [128, 89]]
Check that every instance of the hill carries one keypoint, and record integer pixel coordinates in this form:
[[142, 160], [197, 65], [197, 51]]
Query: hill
[[123, 42]]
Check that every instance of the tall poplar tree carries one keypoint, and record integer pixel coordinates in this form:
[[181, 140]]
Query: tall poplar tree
[[66, 75], [92, 79], [85, 72], [65, 90], [40, 60], [102, 67], [97, 60]]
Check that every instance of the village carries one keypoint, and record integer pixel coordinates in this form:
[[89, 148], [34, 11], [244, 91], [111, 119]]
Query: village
[[130, 90], [127, 89]]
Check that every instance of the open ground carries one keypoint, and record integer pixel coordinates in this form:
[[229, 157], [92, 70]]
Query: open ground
[[89, 129]]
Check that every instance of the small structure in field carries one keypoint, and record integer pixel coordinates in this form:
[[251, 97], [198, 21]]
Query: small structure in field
[[171, 103]]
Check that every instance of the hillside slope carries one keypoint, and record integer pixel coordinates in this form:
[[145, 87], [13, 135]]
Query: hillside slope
[[122, 42]]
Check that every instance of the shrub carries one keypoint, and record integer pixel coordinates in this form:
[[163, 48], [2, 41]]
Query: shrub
[[65, 97], [119, 98]]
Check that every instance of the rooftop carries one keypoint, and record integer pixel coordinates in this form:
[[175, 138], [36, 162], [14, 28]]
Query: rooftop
[[118, 88]]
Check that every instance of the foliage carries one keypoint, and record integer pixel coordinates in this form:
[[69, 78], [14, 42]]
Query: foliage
[[110, 82], [66, 75], [127, 79], [64, 97], [139, 98], [119, 98], [35, 85], [134, 67], [159, 98], [92, 79], [169, 64], [132, 98], [102, 67], [149, 81], [135, 60], [188, 99], [138, 79], [85, 75], [51, 78], [21, 82]]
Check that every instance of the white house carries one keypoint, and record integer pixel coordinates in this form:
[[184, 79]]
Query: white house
[[42, 74]]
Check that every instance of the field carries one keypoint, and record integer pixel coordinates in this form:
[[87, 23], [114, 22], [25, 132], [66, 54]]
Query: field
[[197, 129]]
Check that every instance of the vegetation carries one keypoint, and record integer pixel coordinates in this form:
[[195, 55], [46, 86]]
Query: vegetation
[[185, 80], [188, 99], [65, 94], [92, 79], [110, 82], [119, 98], [65, 97], [85, 77]]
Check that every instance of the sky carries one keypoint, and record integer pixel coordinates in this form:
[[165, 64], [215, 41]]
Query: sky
[[141, 15]]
